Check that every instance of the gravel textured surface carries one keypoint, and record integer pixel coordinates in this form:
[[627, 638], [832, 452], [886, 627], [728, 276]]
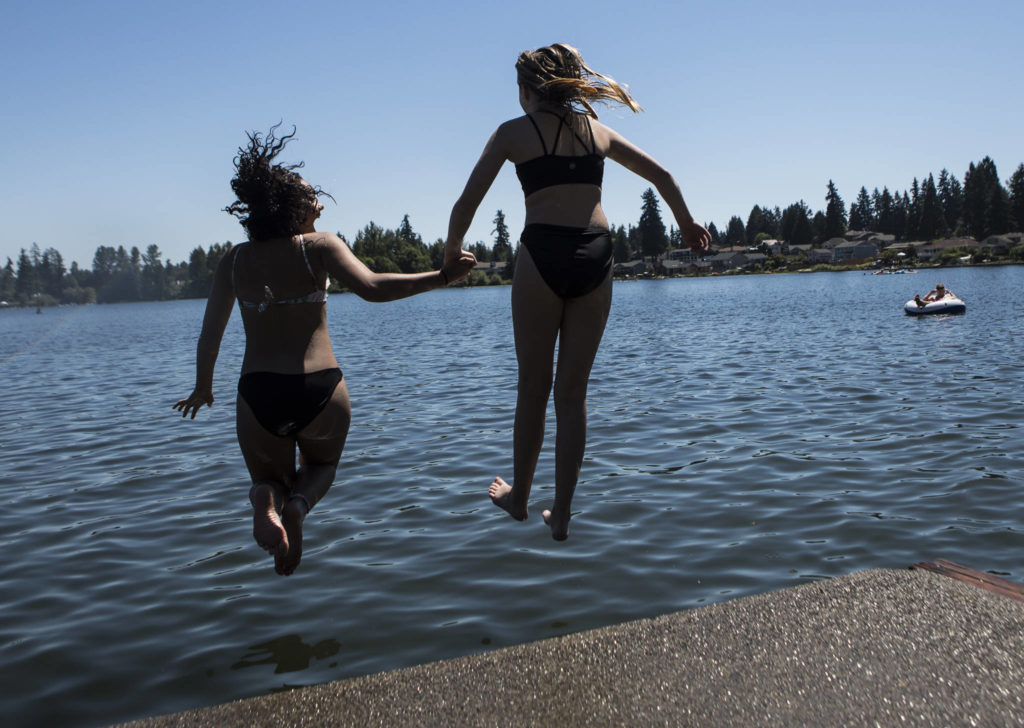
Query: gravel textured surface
[[879, 647]]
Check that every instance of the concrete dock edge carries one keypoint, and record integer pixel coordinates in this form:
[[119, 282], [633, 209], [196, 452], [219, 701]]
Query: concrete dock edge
[[877, 647]]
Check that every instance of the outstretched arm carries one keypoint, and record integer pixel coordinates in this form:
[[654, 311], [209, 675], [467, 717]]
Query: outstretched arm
[[343, 265], [480, 180], [640, 162], [218, 311]]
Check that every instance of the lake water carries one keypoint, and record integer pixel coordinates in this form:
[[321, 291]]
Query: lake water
[[746, 434]]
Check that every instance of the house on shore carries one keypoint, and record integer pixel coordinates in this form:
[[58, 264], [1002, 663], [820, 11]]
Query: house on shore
[[630, 269], [858, 250], [1001, 244]]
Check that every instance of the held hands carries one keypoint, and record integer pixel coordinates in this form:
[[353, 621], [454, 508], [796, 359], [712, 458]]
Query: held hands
[[458, 267], [696, 236], [194, 401]]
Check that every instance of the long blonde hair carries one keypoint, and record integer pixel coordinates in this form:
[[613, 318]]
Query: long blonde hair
[[559, 75]]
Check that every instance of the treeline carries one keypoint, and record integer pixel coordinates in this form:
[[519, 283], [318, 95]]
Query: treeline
[[980, 206], [41, 277], [931, 209]]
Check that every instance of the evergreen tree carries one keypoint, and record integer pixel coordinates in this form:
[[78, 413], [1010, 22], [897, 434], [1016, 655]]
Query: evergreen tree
[[716, 237], [772, 220], [1016, 200], [653, 238], [951, 199], [862, 212], [405, 248], [621, 251], [835, 213], [856, 221], [480, 251], [154, 275], [198, 284], [930, 223], [900, 211], [26, 282], [502, 240], [795, 227], [819, 227], [735, 234], [51, 273], [755, 224], [407, 234], [986, 203], [912, 224], [7, 280]]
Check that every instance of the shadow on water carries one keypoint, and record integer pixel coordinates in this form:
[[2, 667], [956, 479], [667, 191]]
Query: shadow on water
[[288, 653]]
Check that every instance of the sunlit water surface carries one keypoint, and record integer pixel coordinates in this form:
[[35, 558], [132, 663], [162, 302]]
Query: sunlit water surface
[[746, 434]]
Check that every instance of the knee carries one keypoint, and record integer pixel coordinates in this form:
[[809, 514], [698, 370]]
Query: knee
[[535, 386], [570, 397]]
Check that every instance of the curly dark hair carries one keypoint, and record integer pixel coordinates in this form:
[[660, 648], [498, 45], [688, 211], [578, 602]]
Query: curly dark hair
[[273, 199]]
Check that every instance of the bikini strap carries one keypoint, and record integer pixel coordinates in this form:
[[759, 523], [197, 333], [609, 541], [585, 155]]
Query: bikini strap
[[302, 243], [539, 135], [564, 122], [234, 260]]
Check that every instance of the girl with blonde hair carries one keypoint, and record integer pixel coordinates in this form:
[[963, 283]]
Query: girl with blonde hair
[[562, 288]]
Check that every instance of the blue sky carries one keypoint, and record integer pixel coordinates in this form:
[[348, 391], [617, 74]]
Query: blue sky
[[121, 118]]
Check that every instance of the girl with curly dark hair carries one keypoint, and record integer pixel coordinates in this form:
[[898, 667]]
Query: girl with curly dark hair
[[291, 394], [562, 288]]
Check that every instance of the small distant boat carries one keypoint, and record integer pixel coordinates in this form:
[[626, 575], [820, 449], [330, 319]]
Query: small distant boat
[[949, 304]]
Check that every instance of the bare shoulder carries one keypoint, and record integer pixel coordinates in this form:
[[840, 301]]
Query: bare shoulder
[[320, 242]]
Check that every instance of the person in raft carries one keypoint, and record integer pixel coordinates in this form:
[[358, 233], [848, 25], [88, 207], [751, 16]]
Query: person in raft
[[562, 287], [936, 294], [291, 394]]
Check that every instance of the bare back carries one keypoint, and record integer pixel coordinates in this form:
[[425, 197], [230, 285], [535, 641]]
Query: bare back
[[286, 334], [574, 205]]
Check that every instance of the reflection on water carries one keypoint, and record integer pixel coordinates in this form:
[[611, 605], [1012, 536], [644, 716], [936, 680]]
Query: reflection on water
[[288, 654], [745, 434]]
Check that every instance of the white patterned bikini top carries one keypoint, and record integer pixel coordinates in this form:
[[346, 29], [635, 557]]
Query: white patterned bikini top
[[316, 296]]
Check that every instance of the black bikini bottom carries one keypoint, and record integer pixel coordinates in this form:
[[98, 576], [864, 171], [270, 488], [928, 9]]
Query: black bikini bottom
[[572, 261], [285, 403]]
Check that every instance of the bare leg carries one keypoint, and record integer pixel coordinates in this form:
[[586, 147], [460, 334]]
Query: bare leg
[[582, 328], [271, 463], [320, 446], [536, 314]]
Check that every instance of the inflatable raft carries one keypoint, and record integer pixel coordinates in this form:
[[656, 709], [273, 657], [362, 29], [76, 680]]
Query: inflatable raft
[[948, 304]]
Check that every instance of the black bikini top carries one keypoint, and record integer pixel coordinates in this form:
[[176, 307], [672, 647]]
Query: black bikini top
[[559, 169]]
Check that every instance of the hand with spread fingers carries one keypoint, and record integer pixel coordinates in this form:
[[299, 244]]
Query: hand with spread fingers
[[194, 401]]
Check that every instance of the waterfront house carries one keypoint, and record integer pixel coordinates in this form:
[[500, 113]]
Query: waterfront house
[[1001, 244], [755, 260], [491, 266], [726, 260], [630, 269], [683, 254], [855, 250], [929, 250], [819, 255]]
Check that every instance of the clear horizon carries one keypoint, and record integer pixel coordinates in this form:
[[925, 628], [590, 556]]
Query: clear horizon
[[123, 118]]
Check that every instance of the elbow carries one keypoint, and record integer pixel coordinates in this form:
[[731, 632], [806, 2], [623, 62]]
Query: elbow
[[663, 181], [374, 291], [462, 212]]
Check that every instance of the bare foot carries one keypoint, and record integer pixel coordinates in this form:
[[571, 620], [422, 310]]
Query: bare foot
[[292, 516], [559, 528], [501, 493], [266, 526]]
